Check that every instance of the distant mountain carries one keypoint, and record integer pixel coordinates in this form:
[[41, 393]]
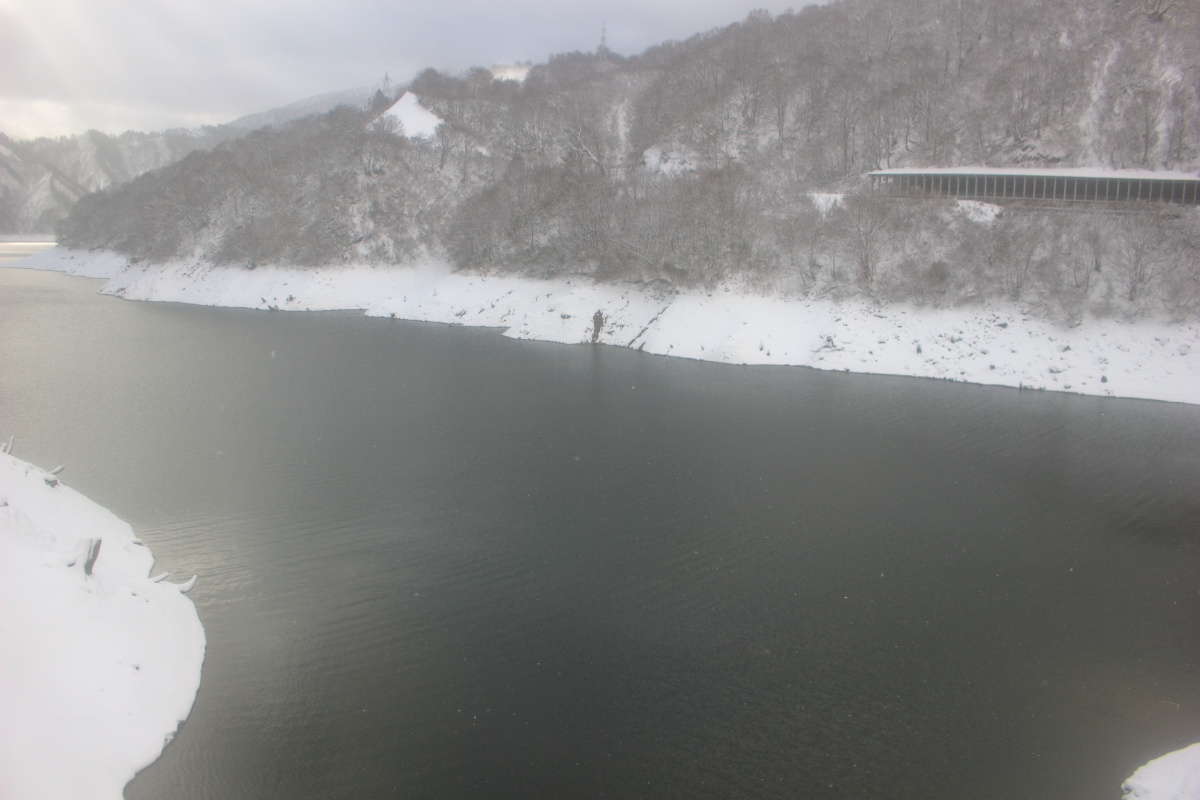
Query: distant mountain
[[33, 195], [318, 104], [46, 176], [41, 179]]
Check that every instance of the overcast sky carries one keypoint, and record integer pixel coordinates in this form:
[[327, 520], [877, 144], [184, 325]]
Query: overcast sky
[[70, 65]]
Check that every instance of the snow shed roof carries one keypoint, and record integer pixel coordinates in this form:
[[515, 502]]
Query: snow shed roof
[[1070, 184], [1044, 172]]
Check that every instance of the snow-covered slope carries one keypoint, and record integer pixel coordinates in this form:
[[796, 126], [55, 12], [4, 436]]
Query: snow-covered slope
[[996, 344], [33, 196], [414, 119], [1175, 776], [99, 670], [40, 179]]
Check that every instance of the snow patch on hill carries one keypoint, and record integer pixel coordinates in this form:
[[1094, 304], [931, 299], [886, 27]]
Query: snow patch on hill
[[826, 201], [417, 122]]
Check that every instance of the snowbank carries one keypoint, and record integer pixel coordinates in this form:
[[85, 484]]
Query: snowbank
[[995, 344], [1175, 776], [83, 263], [98, 670], [417, 122]]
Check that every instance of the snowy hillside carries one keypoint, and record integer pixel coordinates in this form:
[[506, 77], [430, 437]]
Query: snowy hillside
[[41, 179], [714, 159], [33, 197]]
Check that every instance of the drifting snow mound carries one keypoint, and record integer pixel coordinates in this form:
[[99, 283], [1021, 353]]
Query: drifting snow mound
[[416, 121], [1175, 776], [101, 668], [979, 212]]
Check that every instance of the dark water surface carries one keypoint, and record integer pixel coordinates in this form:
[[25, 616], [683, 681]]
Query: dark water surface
[[435, 563]]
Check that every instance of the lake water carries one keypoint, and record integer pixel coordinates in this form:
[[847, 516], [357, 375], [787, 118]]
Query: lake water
[[436, 563]]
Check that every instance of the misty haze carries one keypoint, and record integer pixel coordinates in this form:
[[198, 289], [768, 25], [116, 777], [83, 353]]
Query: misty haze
[[631, 400]]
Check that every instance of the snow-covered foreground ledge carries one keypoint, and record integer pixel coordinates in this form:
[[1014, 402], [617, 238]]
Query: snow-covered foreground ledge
[[98, 670], [996, 344], [1175, 776]]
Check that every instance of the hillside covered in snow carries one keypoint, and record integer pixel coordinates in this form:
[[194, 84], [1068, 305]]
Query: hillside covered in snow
[[42, 178], [734, 155]]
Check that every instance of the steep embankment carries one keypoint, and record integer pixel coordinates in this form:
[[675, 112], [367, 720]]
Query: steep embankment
[[102, 661]]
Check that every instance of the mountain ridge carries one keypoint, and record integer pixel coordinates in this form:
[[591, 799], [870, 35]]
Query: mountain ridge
[[92, 161], [695, 161]]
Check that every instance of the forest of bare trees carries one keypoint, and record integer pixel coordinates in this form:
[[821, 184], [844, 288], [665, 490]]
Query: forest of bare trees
[[695, 162]]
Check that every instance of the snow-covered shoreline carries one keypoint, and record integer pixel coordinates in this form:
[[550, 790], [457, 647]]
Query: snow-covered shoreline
[[100, 670], [993, 344], [1174, 776]]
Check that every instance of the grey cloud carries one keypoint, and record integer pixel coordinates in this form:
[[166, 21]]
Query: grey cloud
[[179, 61]]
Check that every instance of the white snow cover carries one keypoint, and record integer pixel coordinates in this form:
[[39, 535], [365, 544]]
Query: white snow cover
[[1057, 172], [418, 122], [1175, 776], [98, 671], [826, 201], [988, 344], [510, 72], [979, 212], [82, 263], [671, 163]]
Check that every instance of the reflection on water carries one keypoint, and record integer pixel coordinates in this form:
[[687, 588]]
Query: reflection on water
[[438, 563]]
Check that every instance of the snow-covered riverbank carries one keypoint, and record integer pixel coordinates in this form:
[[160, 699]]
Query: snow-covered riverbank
[[1174, 776], [99, 670], [991, 344]]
